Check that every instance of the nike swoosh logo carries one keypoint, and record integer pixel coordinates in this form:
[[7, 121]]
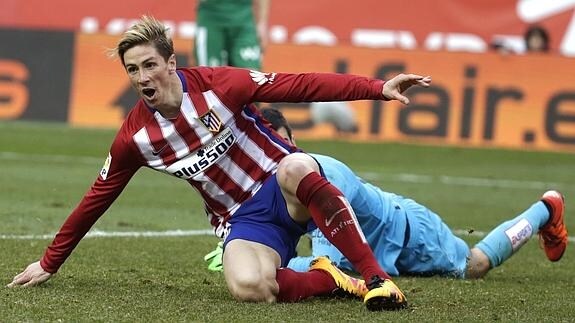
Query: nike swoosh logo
[[156, 153], [330, 219]]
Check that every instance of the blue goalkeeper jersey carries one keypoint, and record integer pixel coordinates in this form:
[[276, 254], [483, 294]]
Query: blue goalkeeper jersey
[[379, 214]]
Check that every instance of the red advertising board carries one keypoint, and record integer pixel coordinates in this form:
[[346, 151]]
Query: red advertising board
[[476, 99], [56, 67]]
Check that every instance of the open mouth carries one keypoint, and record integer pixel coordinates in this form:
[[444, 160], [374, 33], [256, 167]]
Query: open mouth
[[148, 93]]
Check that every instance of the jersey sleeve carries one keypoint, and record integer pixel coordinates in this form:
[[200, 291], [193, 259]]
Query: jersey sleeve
[[319, 87], [118, 169], [245, 86]]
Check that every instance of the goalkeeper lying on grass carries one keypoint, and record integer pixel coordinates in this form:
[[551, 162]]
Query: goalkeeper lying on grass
[[409, 239]]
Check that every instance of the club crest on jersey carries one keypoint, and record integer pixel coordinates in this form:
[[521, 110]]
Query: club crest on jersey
[[211, 121]]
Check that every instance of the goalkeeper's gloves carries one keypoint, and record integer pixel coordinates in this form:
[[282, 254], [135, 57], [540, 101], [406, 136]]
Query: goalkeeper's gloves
[[215, 258]]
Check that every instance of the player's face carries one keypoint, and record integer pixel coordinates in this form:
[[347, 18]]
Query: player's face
[[149, 73]]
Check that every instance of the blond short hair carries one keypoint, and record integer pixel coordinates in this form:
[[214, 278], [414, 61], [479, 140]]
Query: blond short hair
[[147, 30]]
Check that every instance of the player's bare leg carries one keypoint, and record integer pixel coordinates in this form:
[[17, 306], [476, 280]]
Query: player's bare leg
[[477, 264], [250, 271]]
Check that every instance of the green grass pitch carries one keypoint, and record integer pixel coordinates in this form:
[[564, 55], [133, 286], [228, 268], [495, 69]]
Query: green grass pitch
[[46, 169]]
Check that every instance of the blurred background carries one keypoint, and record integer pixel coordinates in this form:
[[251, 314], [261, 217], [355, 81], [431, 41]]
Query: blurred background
[[492, 87], [503, 79]]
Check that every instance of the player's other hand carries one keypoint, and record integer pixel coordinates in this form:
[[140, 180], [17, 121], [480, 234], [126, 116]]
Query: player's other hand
[[33, 275], [394, 88], [215, 258]]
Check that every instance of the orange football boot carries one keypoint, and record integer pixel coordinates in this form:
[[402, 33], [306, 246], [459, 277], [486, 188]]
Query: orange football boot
[[346, 285], [553, 235]]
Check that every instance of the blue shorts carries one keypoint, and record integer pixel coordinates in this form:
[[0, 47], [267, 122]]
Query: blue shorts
[[432, 248], [264, 218]]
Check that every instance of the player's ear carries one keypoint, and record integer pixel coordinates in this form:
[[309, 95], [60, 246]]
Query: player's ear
[[172, 63]]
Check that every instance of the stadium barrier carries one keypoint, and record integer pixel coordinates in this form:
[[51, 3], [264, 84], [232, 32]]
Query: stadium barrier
[[489, 99], [35, 74]]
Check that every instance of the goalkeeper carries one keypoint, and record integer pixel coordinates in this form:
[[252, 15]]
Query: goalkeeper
[[409, 239]]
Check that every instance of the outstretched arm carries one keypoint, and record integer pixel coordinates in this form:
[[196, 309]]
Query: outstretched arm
[[112, 179], [238, 86]]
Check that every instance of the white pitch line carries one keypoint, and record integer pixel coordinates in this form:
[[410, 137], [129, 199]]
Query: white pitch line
[[110, 234], [175, 233], [500, 183], [462, 181], [52, 158], [401, 177]]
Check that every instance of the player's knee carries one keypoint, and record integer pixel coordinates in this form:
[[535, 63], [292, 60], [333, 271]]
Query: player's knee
[[252, 288], [477, 265], [294, 167]]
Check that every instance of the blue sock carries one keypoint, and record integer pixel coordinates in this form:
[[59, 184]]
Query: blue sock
[[509, 236]]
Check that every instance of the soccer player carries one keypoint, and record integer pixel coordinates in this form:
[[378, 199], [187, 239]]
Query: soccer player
[[231, 32], [409, 239], [260, 192]]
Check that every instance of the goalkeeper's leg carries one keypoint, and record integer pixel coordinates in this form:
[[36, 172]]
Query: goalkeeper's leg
[[544, 217]]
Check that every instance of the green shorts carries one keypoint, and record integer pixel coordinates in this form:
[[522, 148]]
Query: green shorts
[[227, 45]]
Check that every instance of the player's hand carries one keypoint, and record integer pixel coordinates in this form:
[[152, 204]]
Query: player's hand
[[33, 275], [215, 258], [393, 89]]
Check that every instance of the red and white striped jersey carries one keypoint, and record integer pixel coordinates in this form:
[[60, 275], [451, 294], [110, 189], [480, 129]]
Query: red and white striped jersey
[[218, 142]]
